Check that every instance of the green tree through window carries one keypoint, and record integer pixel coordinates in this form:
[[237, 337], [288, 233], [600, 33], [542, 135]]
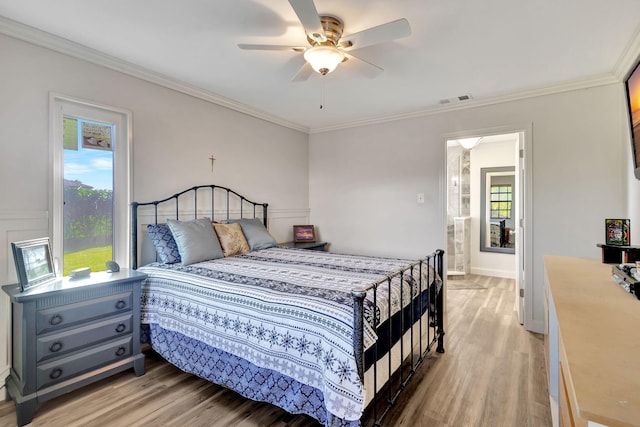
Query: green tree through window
[[88, 195]]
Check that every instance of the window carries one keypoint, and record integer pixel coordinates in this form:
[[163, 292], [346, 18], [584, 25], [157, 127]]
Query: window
[[501, 199], [90, 185], [88, 194]]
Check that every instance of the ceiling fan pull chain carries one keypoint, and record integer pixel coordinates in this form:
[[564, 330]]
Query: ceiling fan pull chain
[[322, 91]]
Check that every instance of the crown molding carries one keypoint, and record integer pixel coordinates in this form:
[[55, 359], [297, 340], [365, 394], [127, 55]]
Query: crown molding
[[630, 57], [41, 38], [600, 80]]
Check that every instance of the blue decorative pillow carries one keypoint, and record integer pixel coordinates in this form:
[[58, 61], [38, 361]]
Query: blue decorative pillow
[[196, 240], [165, 244], [256, 233]]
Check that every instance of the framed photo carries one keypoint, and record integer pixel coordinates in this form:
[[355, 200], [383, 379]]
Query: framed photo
[[96, 136], [304, 233], [617, 231], [34, 263]]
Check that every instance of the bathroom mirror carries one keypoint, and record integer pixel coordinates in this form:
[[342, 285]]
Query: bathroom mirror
[[497, 210]]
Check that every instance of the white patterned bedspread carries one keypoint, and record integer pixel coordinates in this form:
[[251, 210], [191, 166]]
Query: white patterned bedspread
[[282, 309]]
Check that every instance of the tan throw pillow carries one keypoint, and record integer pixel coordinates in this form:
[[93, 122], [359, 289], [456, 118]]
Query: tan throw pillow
[[231, 239]]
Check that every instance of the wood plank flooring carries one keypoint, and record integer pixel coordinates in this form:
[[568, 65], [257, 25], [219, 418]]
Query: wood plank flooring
[[492, 374]]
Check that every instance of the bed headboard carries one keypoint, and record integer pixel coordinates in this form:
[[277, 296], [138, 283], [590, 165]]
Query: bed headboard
[[220, 202]]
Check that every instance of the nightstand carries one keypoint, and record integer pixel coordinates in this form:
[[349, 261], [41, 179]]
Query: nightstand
[[70, 333], [616, 254], [315, 246]]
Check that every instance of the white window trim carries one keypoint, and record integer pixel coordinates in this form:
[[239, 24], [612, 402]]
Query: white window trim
[[59, 106]]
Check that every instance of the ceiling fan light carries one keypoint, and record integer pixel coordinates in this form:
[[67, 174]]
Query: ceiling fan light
[[323, 59], [469, 143]]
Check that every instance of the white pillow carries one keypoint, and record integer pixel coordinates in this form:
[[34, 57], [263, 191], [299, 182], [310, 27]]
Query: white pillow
[[196, 240]]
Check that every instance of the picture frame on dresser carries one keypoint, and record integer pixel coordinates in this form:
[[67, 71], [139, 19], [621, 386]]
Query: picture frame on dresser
[[34, 263], [304, 234], [617, 231]]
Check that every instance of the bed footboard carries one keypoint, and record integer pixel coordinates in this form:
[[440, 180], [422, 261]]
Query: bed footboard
[[427, 328]]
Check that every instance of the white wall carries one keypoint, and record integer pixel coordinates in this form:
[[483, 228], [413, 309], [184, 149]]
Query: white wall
[[363, 181], [363, 184], [173, 137], [632, 184], [488, 155], [360, 183]]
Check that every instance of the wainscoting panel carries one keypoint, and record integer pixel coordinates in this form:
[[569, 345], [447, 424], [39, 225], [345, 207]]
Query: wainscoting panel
[[281, 222], [14, 226]]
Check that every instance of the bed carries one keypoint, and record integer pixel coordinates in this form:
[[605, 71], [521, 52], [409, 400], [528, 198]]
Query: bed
[[335, 337]]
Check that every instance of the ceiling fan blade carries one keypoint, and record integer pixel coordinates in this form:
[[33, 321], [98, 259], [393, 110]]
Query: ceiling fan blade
[[270, 47], [308, 16], [303, 73], [374, 35], [361, 66]]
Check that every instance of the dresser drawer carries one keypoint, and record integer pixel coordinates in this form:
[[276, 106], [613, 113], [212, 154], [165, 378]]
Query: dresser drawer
[[60, 317], [57, 344], [60, 369]]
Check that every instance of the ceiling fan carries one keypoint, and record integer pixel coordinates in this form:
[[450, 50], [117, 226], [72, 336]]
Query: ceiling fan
[[328, 48]]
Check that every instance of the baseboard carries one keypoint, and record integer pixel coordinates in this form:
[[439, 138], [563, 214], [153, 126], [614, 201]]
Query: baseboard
[[4, 374], [555, 418], [4, 391], [455, 273], [536, 326], [505, 274]]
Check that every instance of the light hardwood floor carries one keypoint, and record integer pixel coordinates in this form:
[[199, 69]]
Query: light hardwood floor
[[492, 374]]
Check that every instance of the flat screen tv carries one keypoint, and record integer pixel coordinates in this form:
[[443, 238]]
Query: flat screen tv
[[633, 103]]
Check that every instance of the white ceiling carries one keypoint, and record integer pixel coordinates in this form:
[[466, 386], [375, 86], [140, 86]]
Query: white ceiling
[[490, 49]]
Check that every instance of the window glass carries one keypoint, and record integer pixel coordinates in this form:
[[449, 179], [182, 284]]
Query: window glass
[[88, 194], [501, 200]]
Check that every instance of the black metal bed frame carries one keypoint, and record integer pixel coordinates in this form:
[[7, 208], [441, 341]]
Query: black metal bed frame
[[176, 198], [410, 361], [433, 332]]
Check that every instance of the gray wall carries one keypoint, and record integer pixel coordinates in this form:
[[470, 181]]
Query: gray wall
[[173, 137], [357, 185], [367, 203]]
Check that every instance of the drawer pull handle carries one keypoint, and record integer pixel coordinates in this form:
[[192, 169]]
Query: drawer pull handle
[[55, 347], [121, 304], [55, 374], [120, 351], [121, 327], [55, 320]]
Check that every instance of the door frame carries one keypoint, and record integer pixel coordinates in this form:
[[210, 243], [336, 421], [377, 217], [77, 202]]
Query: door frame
[[524, 251]]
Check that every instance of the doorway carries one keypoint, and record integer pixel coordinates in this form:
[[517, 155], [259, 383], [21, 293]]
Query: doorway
[[477, 216]]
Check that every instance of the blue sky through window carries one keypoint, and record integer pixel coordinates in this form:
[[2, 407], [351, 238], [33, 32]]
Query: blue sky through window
[[90, 166]]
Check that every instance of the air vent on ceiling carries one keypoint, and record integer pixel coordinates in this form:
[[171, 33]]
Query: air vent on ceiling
[[459, 98]]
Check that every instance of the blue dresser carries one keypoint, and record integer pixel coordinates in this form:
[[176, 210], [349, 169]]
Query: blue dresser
[[72, 332]]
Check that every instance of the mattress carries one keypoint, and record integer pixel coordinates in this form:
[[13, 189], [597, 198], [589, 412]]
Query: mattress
[[276, 325]]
